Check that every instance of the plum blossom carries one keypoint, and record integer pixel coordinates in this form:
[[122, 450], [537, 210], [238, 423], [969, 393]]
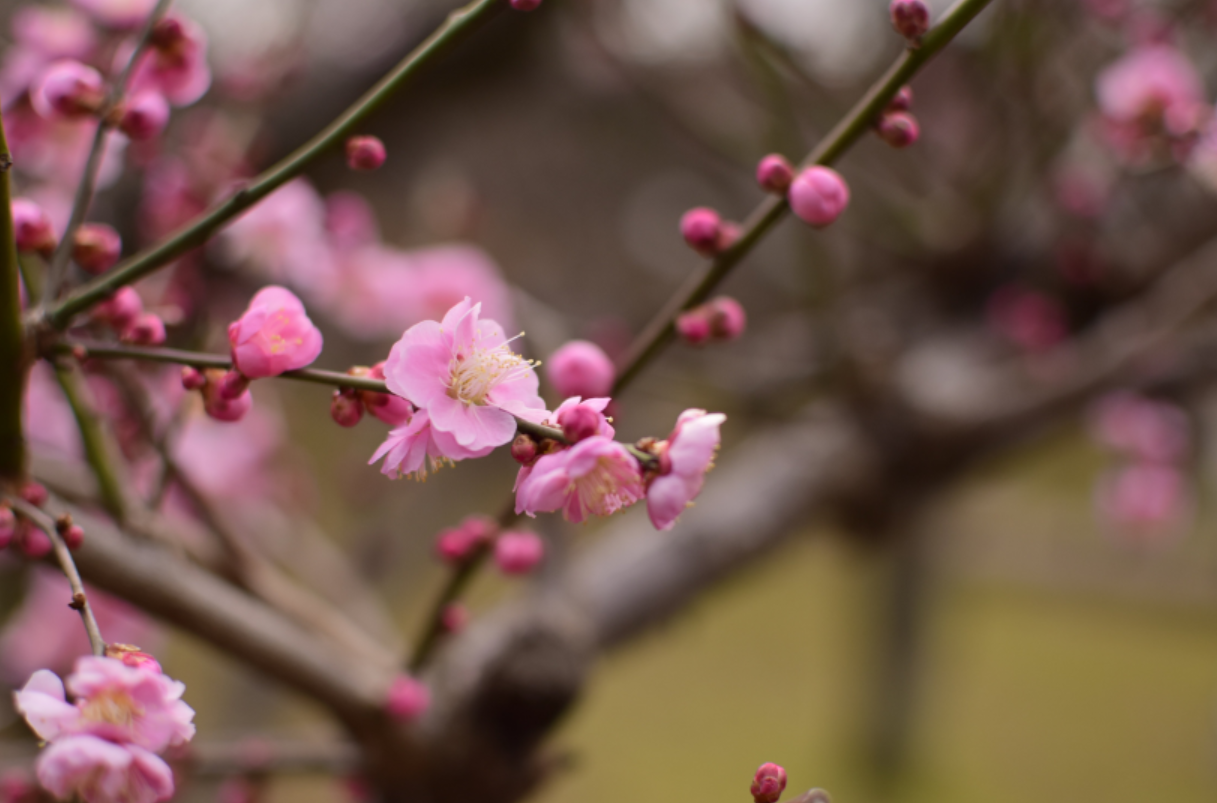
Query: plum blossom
[[597, 476], [103, 772], [418, 448], [684, 461], [176, 64], [42, 35], [1141, 428], [274, 335], [1153, 91], [1145, 499], [464, 375]]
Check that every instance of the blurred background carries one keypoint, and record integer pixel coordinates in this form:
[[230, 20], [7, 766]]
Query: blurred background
[[1043, 625]]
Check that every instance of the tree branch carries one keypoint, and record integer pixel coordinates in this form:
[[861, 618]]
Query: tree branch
[[14, 359]]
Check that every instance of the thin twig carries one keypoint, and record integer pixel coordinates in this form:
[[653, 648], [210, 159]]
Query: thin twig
[[80, 600], [459, 25], [57, 271]]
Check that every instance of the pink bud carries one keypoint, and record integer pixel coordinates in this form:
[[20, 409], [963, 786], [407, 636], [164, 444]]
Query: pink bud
[[456, 545], [774, 174], [365, 153], [693, 326], [34, 493], [727, 318], [579, 423], [144, 115], [192, 378], [134, 657], [768, 783], [119, 310], [525, 5], [217, 406], [33, 542], [274, 335], [899, 129], [232, 384], [524, 450], [32, 227], [407, 699], [96, 247], [74, 536], [819, 195], [910, 18], [345, 408], [700, 228], [454, 618], [518, 552], [169, 33], [8, 525], [146, 330], [16, 787], [68, 89], [902, 101], [581, 368]]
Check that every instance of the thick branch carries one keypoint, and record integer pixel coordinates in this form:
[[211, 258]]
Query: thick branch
[[13, 358]]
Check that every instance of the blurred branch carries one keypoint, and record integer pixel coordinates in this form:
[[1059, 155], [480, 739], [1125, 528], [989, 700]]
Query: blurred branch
[[701, 284], [459, 25], [13, 357], [100, 449], [265, 756]]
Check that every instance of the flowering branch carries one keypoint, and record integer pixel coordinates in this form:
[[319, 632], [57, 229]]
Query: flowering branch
[[57, 270], [13, 357], [459, 25], [857, 122], [80, 600]]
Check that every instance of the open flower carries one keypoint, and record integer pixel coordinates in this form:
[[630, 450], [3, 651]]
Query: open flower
[[417, 448], [596, 476], [683, 465], [463, 373], [274, 335], [103, 772]]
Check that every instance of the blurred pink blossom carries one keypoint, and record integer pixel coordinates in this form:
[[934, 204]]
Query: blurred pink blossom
[[1028, 319], [176, 63], [42, 35], [1153, 91], [1145, 499], [417, 448], [229, 461], [580, 368], [103, 772], [518, 552], [596, 477], [688, 455], [1141, 428]]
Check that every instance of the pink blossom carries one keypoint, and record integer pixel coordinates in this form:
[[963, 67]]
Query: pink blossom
[[350, 221], [418, 448], [117, 13], [32, 227], [103, 772], [591, 422], [595, 477], [229, 461], [580, 368], [1030, 320], [819, 195], [456, 545], [408, 699], [463, 373], [518, 552], [96, 247], [144, 115], [218, 405], [441, 276], [1155, 85], [274, 335], [1145, 497], [1140, 427], [55, 151], [68, 89], [42, 35], [393, 410], [176, 64], [688, 456]]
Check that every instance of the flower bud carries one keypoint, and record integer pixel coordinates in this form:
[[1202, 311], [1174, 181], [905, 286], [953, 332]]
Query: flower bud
[[34, 493], [454, 618], [219, 408], [525, 5], [96, 247], [8, 525], [727, 318], [768, 783], [819, 195], [693, 327], [899, 129], [700, 228], [580, 368], [33, 542], [456, 545], [524, 449], [910, 18], [345, 408], [144, 115], [32, 228], [134, 657], [579, 423], [518, 552], [365, 153], [119, 310], [192, 378], [68, 89], [74, 536], [902, 101], [146, 330], [407, 699], [774, 174], [232, 384]]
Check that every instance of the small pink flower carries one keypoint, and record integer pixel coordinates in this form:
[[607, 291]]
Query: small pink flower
[[1155, 85], [68, 89], [518, 552], [148, 329], [103, 772], [463, 373], [55, 33], [408, 699], [365, 153], [274, 335], [144, 115], [819, 195], [418, 448], [176, 64], [683, 466], [96, 247], [595, 477], [456, 545], [580, 368], [768, 783]]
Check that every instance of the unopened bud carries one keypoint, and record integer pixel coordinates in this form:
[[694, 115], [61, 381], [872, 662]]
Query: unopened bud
[[192, 378], [819, 195], [524, 449], [902, 101], [701, 228], [727, 318], [96, 247], [910, 18], [345, 408], [168, 34], [133, 657], [768, 783], [74, 537], [68, 89], [693, 327], [774, 173], [518, 552], [219, 408], [232, 385], [144, 115], [454, 618], [579, 423], [32, 228], [119, 310], [899, 129], [146, 330], [365, 153], [407, 699], [34, 493]]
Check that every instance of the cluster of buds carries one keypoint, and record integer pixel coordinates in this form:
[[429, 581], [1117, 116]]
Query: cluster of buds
[[897, 126], [22, 534], [817, 195], [347, 405], [226, 395], [706, 232], [911, 19], [124, 313], [719, 320], [515, 552]]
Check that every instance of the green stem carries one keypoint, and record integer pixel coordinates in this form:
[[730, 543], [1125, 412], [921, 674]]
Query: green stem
[[13, 355], [99, 448], [660, 331], [459, 25], [57, 271], [454, 588]]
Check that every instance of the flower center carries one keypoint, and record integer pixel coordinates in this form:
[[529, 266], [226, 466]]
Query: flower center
[[606, 488], [111, 707], [473, 374]]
